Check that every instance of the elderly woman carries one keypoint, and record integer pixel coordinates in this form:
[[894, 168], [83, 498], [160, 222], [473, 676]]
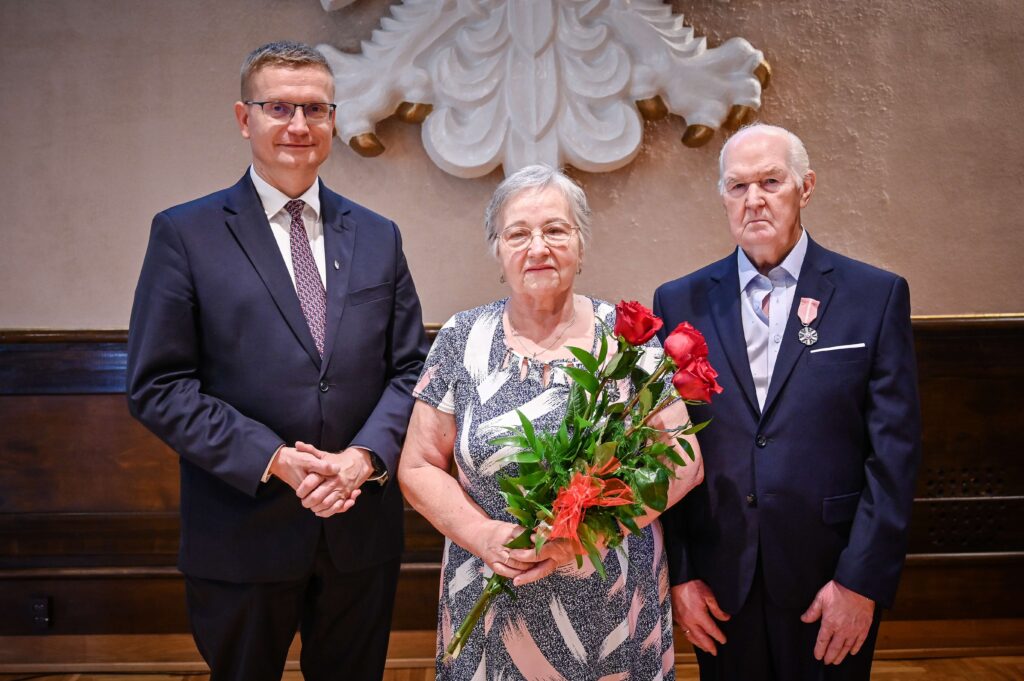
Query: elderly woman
[[565, 622]]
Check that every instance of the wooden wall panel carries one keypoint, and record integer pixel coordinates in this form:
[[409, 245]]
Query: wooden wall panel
[[89, 498]]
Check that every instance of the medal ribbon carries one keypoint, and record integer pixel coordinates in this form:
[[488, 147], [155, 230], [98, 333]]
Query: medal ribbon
[[808, 310]]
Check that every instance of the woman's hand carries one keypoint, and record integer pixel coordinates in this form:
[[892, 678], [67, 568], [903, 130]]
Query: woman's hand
[[553, 554], [490, 546]]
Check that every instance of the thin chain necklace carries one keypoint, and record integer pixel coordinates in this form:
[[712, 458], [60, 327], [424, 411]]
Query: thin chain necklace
[[533, 356]]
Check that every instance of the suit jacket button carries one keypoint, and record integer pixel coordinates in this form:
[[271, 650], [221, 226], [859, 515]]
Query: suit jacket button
[[752, 500], [761, 441], [324, 386]]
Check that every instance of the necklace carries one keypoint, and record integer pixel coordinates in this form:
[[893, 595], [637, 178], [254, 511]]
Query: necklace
[[542, 350]]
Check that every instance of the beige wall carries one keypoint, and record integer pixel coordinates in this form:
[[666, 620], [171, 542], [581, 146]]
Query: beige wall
[[115, 109]]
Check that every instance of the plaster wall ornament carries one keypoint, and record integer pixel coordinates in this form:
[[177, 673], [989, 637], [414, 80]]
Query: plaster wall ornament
[[516, 82]]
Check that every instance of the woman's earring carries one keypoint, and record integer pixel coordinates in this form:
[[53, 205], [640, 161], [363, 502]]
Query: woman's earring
[[501, 278], [579, 270]]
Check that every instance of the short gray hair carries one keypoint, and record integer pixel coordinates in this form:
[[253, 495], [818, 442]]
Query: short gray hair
[[796, 158], [286, 53], [536, 177]]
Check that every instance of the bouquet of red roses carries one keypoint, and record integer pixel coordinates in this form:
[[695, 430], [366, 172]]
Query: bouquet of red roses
[[605, 466]]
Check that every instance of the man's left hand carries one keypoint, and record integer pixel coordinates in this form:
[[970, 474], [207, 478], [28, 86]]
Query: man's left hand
[[845, 621], [338, 493]]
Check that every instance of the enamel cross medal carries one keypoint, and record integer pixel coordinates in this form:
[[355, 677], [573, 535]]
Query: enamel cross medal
[[807, 312]]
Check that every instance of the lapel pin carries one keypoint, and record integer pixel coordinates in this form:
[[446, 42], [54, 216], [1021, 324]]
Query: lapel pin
[[807, 312], [337, 265]]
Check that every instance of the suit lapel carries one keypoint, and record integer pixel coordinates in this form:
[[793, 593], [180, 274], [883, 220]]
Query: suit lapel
[[725, 312], [248, 223], [339, 246], [813, 283]]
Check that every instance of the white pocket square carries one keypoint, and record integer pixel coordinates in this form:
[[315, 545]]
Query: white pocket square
[[839, 347]]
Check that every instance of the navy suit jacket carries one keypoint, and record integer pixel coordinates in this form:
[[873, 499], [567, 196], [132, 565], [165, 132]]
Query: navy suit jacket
[[223, 368], [821, 481]]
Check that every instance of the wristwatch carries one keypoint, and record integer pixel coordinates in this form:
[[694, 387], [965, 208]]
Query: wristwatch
[[380, 471]]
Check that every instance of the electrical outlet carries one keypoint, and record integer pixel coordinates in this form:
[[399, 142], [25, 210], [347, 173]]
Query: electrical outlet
[[41, 609]]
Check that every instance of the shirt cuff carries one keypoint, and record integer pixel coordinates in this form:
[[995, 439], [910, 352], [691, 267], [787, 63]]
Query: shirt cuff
[[266, 473]]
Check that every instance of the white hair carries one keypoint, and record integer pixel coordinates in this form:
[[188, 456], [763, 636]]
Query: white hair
[[536, 177], [796, 156]]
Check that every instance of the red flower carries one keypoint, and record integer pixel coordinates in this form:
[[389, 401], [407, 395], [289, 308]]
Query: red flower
[[696, 380], [684, 344], [635, 323], [584, 491]]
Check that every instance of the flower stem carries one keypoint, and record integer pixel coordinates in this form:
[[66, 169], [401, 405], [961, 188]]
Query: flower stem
[[494, 586], [663, 366], [661, 405]]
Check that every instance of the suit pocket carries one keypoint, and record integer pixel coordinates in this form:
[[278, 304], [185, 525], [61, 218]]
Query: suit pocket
[[370, 294], [838, 356], [839, 509]]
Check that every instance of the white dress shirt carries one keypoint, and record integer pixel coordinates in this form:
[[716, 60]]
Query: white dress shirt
[[273, 200], [764, 333]]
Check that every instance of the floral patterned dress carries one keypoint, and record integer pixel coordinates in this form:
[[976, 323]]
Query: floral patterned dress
[[571, 625]]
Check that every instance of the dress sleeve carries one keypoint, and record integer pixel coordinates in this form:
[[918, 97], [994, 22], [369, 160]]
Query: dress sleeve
[[437, 383]]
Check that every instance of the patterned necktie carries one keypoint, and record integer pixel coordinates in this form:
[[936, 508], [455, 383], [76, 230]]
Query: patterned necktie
[[309, 286]]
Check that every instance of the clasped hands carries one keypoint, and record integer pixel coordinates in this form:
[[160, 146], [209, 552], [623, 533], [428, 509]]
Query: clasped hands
[[326, 482], [522, 566]]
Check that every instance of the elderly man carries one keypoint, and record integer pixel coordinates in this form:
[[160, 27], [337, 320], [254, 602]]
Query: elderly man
[[274, 343], [782, 558]]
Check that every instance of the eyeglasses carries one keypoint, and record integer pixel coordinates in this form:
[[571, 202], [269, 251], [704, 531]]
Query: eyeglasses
[[554, 234], [315, 112]]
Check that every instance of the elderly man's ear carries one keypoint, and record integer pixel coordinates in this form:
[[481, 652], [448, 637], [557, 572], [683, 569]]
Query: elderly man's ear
[[810, 179]]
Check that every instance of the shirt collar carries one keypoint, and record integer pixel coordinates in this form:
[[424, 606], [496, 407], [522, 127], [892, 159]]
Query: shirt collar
[[791, 265], [273, 199]]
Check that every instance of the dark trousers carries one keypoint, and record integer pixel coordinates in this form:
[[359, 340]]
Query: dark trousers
[[765, 642], [243, 631]]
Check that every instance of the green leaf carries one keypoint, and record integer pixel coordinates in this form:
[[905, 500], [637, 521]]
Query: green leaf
[[639, 375], [622, 364], [508, 486], [656, 388], [520, 515], [603, 453], [630, 525], [583, 378], [588, 539], [528, 432], [525, 457], [577, 405], [510, 440], [602, 354], [522, 541], [674, 457], [693, 430], [530, 481], [585, 358], [646, 401], [612, 366], [653, 487], [686, 448]]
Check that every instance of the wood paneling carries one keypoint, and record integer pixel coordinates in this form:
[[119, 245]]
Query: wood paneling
[[89, 498]]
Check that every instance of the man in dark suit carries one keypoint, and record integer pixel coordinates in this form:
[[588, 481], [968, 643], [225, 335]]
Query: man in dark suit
[[274, 342], [782, 558]]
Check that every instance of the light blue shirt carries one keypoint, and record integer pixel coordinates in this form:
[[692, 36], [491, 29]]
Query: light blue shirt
[[764, 333]]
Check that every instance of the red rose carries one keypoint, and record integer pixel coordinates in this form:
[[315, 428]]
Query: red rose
[[635, 323], [684, 344], [696, 381]]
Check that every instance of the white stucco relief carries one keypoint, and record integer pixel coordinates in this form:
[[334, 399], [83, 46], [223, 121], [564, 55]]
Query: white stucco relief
[[515, 82]]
